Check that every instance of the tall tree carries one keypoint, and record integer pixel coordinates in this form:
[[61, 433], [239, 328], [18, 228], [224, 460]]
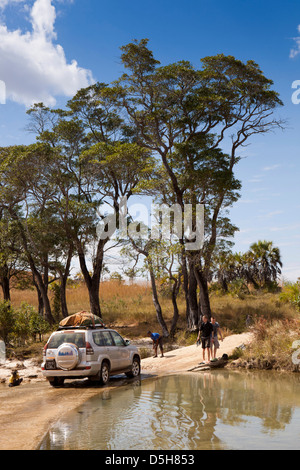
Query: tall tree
[[185, 116], [96, 165], [24, 194]]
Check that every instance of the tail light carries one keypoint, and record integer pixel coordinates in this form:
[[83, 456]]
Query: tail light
[[45, 349], [89, 349]]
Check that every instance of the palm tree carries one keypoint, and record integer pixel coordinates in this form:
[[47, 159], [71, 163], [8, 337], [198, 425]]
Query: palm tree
[[267, 261]]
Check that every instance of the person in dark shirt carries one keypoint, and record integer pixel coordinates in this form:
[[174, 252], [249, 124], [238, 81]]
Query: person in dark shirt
[[206, 333]]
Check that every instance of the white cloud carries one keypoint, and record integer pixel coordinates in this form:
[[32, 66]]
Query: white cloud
[[272, 167], [296, 50], [4, 3], [33, 67]]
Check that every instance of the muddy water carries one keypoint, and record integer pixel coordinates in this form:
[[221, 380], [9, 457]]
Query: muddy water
[[218, 410]]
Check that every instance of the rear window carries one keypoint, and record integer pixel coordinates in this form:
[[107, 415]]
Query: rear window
[[59, 338]]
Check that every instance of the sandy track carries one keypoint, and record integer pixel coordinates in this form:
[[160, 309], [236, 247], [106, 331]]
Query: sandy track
[[181, 360]]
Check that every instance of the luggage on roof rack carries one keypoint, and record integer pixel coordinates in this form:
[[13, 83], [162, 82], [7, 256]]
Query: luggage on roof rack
[[83, 320]]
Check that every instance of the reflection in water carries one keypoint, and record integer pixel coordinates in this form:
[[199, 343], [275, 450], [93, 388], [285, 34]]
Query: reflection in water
[[219, 410]]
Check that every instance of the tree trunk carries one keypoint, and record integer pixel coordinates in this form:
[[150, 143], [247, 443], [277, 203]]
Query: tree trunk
[[157, 304], [38, 278], [193, 317], [40, 299], [175, 319], [186, 285], [203, 294], [5, 283], [63, 298], [63, 284], [92, 282], [94, 298]]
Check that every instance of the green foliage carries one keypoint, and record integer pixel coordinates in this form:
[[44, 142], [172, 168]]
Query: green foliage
[[291, 294], [116, 277], [21, 325], [259, 267], [28, 324], [6, 321], [160, 130]]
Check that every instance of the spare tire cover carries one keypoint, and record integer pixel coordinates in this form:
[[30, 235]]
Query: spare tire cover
[[67, 356]]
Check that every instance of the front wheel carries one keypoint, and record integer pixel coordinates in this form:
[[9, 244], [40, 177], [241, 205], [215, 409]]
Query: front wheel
[[135, 368]]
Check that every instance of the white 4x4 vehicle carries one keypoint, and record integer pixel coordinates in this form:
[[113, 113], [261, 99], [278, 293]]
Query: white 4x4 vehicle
[[97, 353]]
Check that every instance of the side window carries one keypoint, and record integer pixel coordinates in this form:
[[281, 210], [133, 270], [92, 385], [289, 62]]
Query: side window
[[107, 338], [117, 339], [98, 338], [102, 338]]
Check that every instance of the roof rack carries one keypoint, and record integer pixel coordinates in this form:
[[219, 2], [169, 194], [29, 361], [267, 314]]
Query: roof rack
[[83, 327]]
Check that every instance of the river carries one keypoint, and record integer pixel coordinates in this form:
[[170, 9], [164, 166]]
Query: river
[[195, 411]]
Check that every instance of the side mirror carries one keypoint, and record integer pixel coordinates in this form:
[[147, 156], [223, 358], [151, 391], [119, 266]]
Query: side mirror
[[127, 342]]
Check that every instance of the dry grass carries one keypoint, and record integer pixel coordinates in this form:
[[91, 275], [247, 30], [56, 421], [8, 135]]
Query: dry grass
[[131, 307], [232, 312]]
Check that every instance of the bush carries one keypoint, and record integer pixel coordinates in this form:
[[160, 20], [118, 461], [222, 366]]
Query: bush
[[272, 345], [22, 325], [6, 321], [28, 324], [291, 294]]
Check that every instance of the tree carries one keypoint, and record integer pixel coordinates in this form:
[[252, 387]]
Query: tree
[[184, 116], [96, 165], [24, 193], [267, 261], [12, 260], [258, 267]]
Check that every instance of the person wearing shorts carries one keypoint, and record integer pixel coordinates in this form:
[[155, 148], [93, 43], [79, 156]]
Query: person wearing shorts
[[157, 341], [206, 333], [215, 345]]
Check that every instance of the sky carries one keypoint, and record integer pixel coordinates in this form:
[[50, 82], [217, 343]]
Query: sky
[[51, 48]]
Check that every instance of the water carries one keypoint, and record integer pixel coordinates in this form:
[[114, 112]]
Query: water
[[218, 410]]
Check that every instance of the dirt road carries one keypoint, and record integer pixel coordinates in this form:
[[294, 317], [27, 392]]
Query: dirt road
[[27, 412]]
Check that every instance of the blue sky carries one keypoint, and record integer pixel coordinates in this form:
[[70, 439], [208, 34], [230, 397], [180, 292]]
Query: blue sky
[[49, 49]]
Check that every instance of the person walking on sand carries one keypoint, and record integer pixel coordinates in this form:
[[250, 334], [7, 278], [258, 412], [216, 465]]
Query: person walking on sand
[[215, 345], [157, 341], [206, 333]]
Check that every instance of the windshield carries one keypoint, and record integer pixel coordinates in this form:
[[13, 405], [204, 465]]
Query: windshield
[[59, 338]]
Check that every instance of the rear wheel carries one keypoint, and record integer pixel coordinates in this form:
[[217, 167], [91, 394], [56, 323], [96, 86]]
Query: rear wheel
[[135, 368], [57, 382], [104, 373]]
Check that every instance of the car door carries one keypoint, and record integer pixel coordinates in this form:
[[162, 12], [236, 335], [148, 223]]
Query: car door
[[111, 350], [123, 350]]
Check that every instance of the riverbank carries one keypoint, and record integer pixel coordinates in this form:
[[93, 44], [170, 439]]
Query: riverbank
[[28, 411], [183, 359]]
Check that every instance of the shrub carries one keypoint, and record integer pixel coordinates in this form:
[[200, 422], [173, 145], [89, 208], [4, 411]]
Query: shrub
[[22, 325], [6, 321], [291, 294], [272, 345], [28, 324]]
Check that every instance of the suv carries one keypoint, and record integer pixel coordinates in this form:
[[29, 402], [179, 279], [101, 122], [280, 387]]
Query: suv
[[97, 353]]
